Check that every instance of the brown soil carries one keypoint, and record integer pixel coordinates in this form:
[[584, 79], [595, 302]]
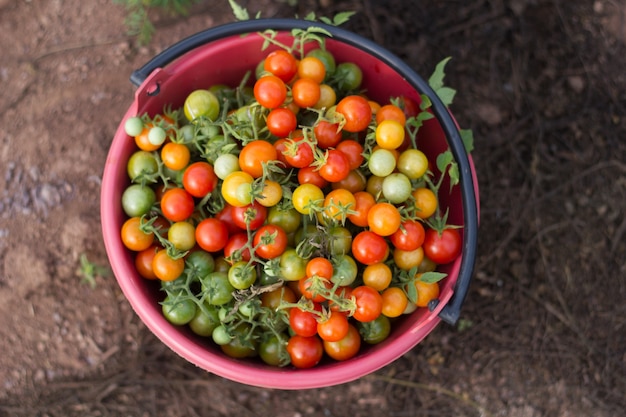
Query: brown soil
[[543, 330]]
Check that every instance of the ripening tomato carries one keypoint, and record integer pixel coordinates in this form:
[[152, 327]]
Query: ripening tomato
[[327, 134], [281, 121], [199, 179], [235, 247], [166, 268], [298, 153], [305, 196], [143, 142], [363, 202], [337, 205], [356, 112], [211, 234], [311, 175], [254, 154], [271, 194], [353, 151], [270, 91], [345, 348], [409, 236], [328, 97], [143, 262], [303, 322], [390, 134], [133, 237], [250, 217], [384, 219], [336, 166], [425, 202], [390, 112], [407, 259], [313, 68], [270, 241], [354, 182], [281, 64], [426, 292], [377, 276], [175, 156], [442, 248], [305, 352], [333, 328], [236, 188], [182, 235], [369, 303], [177, 204], [394, 302], [277, 297], [305, 92], [369, 248]]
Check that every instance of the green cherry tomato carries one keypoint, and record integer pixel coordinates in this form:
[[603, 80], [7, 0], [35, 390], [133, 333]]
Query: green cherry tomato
[[205, 320], [217, 288], [344, 270], [182, 235], [241, 275], [287, 218], [242, 344], [133, 126], [375, 331], [273, 351], [142, 164], [413, 163], [382, 162], [178, 312], [138, 200], [292, 266], [348, 75], [397, 188], [220, 335], [340, 240], [200, 263], [225, 164], [201, 103]]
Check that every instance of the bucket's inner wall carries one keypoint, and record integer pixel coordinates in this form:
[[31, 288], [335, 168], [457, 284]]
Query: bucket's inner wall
[[225, 62]]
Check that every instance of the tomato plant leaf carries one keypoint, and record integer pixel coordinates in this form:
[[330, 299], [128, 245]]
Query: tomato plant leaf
[[467, 135], [432, 277], [411, 292], [443, 160], [436, 79], [341, 18], [446, 94], [241, 13]]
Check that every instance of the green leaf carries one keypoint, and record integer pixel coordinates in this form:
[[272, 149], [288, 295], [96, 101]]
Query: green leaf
[[453, 172], [342, 18], [446, 94], [310, 16], [436, 79], [432, 277], [411, 293], [241, 13], [443, 160], [468, 139]]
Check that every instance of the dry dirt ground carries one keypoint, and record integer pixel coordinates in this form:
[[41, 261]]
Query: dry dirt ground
[[541, 83]]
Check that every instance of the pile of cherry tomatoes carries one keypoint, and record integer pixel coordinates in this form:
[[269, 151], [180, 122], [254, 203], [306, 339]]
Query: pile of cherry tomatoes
[[287, 218]]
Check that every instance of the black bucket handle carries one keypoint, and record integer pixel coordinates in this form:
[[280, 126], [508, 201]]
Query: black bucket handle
[[452, 310]]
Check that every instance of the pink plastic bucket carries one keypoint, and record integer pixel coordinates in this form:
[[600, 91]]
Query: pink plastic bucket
[[222, 55]]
